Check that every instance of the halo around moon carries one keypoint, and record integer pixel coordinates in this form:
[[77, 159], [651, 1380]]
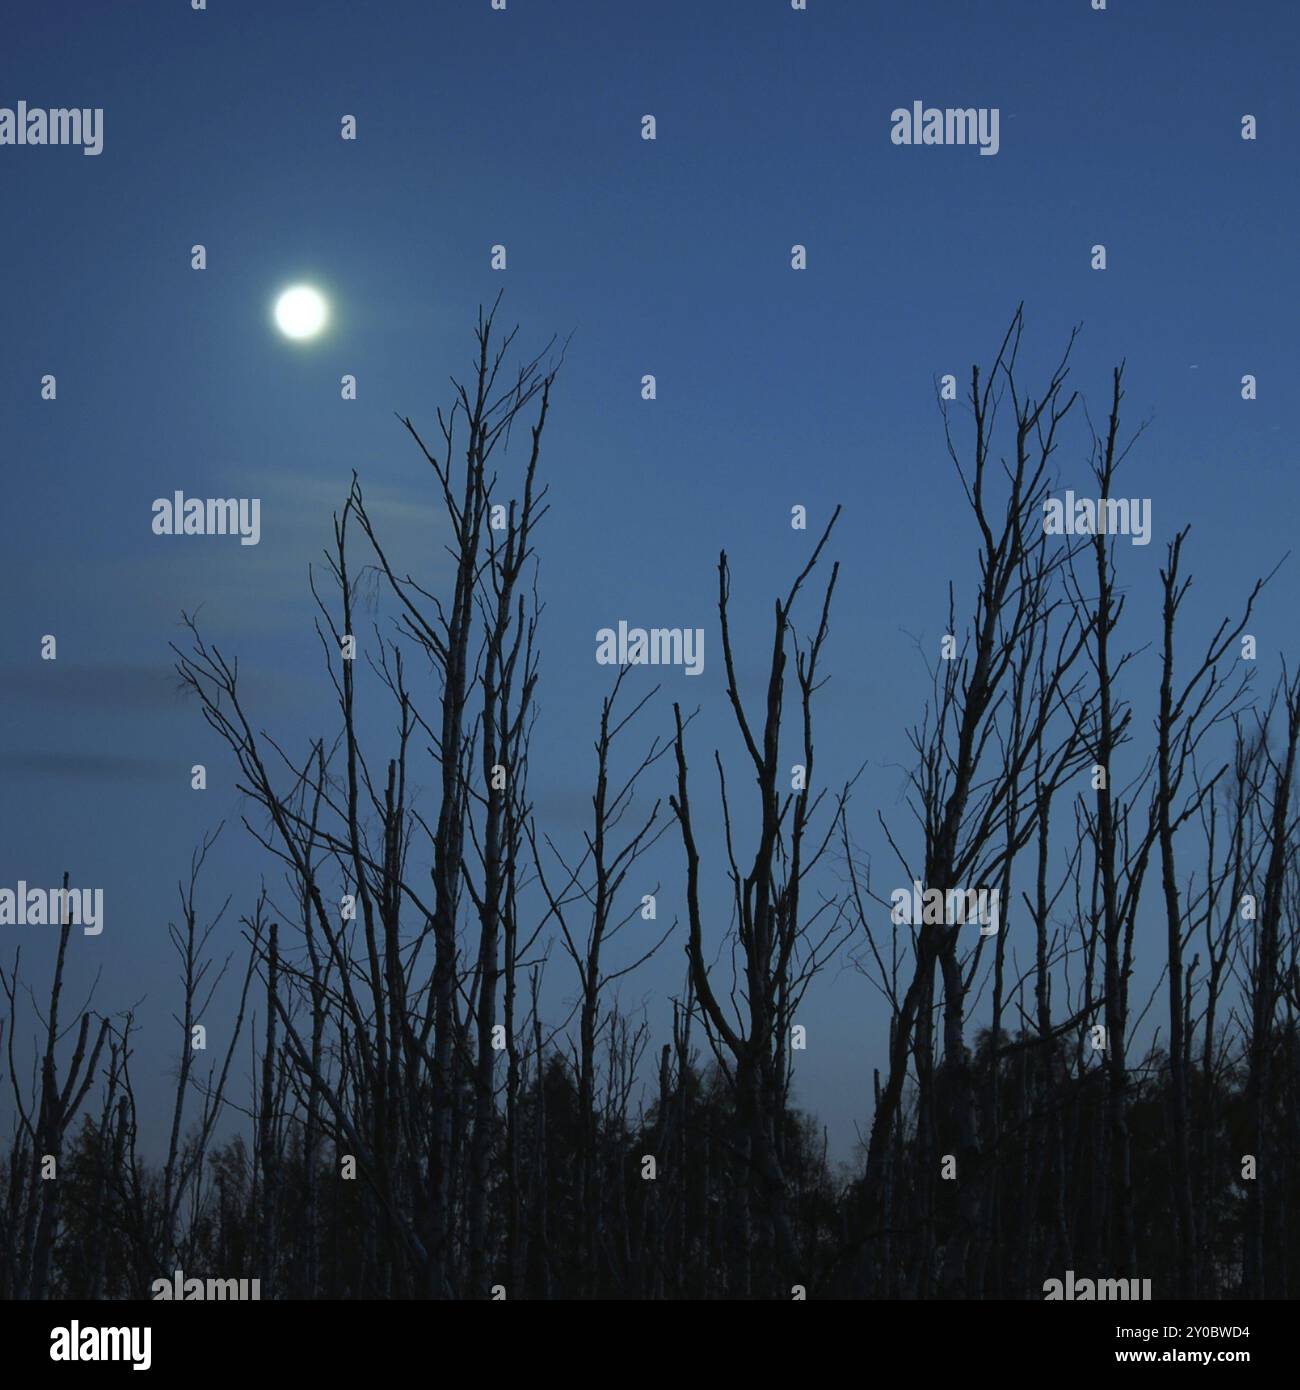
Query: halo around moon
[[301, 312]]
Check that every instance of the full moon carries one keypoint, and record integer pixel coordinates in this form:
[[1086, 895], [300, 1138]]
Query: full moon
[[300, 312]]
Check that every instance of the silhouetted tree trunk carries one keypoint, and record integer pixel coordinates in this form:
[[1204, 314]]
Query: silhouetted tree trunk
[[779, 951]]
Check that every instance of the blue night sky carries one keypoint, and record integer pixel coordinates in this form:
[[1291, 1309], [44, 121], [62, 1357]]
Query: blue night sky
[[670, 257]]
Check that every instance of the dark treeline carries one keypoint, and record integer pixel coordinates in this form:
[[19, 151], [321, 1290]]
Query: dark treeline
[[416, 1128]]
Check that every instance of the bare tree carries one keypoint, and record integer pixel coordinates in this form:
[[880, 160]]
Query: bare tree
[[781, 948]]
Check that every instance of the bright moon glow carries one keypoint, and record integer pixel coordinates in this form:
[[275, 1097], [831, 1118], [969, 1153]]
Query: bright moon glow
[[300, 312]]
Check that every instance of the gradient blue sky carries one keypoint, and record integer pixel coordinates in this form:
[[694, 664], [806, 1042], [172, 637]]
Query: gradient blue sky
[[672, 257]]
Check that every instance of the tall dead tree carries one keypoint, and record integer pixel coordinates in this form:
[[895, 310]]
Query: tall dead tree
[[971, 786], [780, 948], [1187, 712], [591, 883], [404, 1055]]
